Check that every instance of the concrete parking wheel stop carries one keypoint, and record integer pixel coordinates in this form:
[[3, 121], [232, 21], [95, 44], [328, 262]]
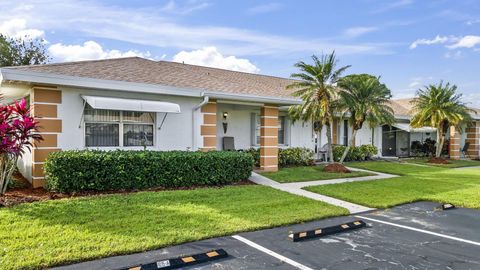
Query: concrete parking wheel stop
[[447, 206], [320, 232], [182, 261]]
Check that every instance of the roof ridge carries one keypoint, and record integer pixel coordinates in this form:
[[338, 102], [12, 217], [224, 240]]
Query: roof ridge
[[229, 70], [183, 66], [155, 61]]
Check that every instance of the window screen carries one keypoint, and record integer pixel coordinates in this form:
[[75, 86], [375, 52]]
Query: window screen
[[110, 128]]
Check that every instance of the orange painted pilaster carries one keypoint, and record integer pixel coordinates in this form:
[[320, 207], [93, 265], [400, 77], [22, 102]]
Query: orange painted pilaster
[[269, 138]]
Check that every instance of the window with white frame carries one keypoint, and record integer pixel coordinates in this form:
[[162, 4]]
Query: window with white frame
[[111, 128], [281, 129]]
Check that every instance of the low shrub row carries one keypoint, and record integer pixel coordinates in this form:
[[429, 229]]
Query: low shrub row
[[294, 156], [70, 171], [356, 153]]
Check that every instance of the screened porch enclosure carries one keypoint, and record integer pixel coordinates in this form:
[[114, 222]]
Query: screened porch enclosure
[[400, 140]]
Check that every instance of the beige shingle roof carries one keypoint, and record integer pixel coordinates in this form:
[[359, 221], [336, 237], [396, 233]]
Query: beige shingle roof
[[139, 70], [402, 107]]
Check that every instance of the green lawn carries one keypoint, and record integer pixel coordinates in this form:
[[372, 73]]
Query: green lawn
[[44, 234], [308, 173], [453, 163], [460, 187]]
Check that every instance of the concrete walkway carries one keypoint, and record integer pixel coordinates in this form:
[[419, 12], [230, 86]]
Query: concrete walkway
[[296, 188], [467, 167]]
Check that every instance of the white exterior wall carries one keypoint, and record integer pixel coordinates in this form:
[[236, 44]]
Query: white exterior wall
[[302, 135], [364, 135], [377, 139], [24, 165], [239, 124], [176, 132], [240, 127]]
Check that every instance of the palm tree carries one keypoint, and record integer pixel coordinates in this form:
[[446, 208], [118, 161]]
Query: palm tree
[[441, 107], [316, 86], [364, 99]]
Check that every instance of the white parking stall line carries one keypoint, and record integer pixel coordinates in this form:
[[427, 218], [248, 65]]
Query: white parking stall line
[[422, 231], [271, 253]]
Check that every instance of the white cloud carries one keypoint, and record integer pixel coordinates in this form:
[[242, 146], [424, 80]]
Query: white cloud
[[393, 5], [89, 50], [454, 55], [437, 40], [466, 42], [417, 82], [413, 85], [17, 28], [472, 22], [358, 31], [190, 6], [211, 57], [151, 27], [472, 99], [452, 42], [265, 8]]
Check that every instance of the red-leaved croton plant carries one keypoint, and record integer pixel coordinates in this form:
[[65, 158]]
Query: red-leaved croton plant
[[18, 134]]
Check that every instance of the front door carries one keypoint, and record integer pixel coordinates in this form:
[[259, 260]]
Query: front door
[[389, 141]]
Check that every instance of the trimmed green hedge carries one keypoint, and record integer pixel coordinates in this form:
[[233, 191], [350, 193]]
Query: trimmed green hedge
[[293, 156], [357, 153], [70, 171]]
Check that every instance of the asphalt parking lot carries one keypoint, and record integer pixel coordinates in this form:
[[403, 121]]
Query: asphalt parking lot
[[411, 236]]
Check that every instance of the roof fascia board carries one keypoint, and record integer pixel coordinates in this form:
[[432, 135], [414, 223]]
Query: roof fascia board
[[252, 98], [75, 81]]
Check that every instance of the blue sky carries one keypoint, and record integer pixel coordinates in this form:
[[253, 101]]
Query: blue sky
[[409, 43]]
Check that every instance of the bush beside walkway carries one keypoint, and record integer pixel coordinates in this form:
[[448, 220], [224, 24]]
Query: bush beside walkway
[[71, 171]]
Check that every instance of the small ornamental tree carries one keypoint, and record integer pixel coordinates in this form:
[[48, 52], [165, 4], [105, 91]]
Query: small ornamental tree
[[17, 133]]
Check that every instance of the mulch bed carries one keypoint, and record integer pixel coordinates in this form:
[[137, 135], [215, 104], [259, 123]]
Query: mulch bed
[[336, 168], [28, 194], [437, 160]]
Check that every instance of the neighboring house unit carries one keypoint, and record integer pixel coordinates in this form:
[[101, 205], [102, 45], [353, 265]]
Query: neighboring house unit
[[135, 103]]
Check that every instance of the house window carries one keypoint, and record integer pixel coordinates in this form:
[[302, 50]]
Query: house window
[[281, 129], [110, 128]]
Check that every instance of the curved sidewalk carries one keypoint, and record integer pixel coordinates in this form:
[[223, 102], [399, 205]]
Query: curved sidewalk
[[297, 188]]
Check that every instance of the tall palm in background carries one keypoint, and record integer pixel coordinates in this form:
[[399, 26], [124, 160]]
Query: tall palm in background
[[318, 91], [441, 107], [363, 98]]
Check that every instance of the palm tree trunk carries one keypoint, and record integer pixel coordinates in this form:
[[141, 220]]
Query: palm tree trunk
[[329, 141], [440, 141], [440, 147], [350, 144]]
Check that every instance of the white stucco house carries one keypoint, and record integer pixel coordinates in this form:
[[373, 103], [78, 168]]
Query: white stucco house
[[132, 103]]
